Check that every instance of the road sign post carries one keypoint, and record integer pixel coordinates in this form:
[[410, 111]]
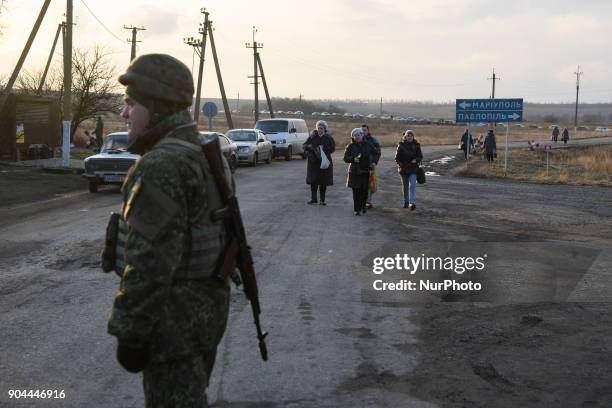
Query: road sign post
[[506, 149], [210, 110], [491, 111]]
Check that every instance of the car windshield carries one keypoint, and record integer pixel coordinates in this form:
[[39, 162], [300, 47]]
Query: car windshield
[[115, 143], [272, 126], [241, 136]]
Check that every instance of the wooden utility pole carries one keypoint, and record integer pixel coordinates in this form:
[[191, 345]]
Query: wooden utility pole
[[494, 78], [67, 111], [578, 74], [200, 47], [255, 76], [133, 40], [226, 108], [24, 54], [265, 85], [44, 76]]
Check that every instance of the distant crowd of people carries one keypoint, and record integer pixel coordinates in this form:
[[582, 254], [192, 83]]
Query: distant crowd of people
[[362, 155]]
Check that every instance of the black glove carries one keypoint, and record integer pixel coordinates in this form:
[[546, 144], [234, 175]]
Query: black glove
[[133, 359]]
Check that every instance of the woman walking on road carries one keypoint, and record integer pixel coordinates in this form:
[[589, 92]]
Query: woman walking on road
[[408, 157], [490, 146], [320, 171], [359, 154], [565, 135]]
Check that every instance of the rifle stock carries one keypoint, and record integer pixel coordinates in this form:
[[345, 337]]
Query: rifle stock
[[243, 260]]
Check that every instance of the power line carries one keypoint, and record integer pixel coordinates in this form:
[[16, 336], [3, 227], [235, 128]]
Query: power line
[[101, 23]]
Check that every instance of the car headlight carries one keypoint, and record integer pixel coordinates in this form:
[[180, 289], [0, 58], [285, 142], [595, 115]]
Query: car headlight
[[243, 149], [282, 141]]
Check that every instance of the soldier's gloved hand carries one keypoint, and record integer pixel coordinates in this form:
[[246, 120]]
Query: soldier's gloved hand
[[131, 358]]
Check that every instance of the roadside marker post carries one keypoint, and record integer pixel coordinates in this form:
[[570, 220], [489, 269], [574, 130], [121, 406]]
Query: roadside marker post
[[547, 149]]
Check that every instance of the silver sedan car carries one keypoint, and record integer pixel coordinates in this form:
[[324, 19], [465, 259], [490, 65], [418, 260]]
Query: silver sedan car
[[252, 145]]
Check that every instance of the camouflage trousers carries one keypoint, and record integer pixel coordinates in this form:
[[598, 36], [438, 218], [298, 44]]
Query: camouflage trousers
[[179, 383]]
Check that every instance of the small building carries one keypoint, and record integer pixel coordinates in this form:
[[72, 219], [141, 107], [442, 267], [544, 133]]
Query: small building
[[29, 125]]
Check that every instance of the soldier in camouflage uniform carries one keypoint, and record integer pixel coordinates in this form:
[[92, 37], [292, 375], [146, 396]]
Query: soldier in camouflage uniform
[[171, 309]]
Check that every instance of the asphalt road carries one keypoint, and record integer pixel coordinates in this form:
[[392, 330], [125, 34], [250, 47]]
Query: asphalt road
[[334, 341]]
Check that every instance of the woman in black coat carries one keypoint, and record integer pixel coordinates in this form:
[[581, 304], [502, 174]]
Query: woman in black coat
[[317, 177], [359, 154], [408, 157], [490, 146]]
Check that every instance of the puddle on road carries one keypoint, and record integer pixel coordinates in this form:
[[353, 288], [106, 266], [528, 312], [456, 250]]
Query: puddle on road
[[432, 173], [443, 160]]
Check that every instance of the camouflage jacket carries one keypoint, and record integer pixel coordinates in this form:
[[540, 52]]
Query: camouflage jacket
[[173, 318]]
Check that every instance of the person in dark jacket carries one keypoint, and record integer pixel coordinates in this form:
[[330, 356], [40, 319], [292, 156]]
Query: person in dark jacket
[[467, 140], [99, 131], [565, 135], [490, 146], [317, 177], [369, 138], [408, 157], [555, 134], [359, 154]]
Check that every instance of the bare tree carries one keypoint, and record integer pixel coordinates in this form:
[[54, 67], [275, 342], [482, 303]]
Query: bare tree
[[95, 84]]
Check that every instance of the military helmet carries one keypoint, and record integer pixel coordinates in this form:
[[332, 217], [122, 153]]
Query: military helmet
[[161, 77]]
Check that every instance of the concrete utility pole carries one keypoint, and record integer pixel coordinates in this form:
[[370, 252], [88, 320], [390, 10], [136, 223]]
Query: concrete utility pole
[[578, 74], [44, 76], [265, 85], [24, 54], [238, 103], [494, 78], [201, 44], [226, 108], [67, 85], [133, 40], [254, 46]]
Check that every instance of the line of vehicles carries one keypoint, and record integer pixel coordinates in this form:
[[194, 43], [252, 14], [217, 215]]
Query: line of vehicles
[[269, 139]]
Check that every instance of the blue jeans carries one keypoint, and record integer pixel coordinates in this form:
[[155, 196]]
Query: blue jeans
[[409, 182]]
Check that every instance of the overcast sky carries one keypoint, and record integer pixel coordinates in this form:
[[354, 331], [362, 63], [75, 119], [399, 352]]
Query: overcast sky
[[435, 50]]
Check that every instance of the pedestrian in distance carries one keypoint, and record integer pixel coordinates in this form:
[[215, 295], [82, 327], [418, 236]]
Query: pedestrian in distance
[[565, 135], [373, 182], [408, 158], [172, 306], [490, 146], [99, 131], [359, 155], [467, 143], [320, 169], [555, 134]]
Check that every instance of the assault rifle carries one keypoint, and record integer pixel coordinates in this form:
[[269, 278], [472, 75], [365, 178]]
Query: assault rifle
[[237, 251]]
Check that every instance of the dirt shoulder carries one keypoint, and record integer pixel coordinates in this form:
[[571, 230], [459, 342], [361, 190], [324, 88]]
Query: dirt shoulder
[[527, 355], [20, 185]]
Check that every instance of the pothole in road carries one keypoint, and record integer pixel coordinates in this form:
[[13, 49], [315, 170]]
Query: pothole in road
[[82, 255]]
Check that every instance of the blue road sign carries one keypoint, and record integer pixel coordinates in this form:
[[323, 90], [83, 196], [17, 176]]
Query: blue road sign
[[488, 110], [209, 109]]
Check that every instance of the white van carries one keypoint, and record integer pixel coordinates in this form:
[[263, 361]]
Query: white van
[[287, 136]]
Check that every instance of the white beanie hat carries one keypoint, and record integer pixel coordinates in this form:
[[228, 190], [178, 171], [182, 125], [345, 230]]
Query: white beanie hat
[[321, 123], [357, 132]]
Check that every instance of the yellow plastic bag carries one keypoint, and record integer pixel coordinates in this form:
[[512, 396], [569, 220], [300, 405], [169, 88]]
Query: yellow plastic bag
[[372, 182]]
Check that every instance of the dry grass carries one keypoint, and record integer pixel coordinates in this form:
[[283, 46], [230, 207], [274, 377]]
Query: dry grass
[[571, 165], [389, 133]]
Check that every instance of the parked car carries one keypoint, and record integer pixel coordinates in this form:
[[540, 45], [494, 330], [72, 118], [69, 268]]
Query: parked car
[[315, 114], [371, 116], [111, 165], [602, 129], [286, 135], [252, 145], [228, 148]]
